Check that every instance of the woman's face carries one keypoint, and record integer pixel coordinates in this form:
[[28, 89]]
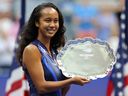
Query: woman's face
[[48, 23]]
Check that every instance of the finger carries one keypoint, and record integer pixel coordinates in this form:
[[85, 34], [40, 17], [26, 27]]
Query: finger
[[85, 79]]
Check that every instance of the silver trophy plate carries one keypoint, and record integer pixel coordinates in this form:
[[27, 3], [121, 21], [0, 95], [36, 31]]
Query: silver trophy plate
[[91, 58]]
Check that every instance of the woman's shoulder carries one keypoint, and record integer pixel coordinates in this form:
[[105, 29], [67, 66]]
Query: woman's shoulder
[[30, 52], [31, 48]]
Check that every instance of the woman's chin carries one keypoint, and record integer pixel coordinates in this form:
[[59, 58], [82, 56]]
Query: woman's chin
[[50, 35]]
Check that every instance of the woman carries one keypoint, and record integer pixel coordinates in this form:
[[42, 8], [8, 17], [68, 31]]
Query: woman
[[40, 39]]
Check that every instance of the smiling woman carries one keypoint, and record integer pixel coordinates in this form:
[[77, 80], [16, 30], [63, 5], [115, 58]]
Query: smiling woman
[[48, 23], [41, 37]]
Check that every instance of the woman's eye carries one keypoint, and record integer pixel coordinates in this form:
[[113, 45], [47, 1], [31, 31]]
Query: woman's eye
[[56, 21], [47, 20], [50, 20]]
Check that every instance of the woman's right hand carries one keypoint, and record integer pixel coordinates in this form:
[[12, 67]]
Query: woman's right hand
[[79, 80]]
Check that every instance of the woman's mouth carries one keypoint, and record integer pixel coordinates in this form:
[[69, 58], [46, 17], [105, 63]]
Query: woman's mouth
[[51, 30]]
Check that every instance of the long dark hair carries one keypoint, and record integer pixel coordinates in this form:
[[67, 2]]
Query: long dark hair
[[30, 32]]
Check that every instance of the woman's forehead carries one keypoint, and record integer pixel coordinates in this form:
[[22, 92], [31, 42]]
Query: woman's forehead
[[49, 10]]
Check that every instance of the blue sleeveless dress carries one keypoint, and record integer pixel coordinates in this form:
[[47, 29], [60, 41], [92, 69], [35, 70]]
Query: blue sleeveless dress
[[51, 70]]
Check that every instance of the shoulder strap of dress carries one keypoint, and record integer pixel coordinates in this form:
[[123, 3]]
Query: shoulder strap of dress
[[41, 49]]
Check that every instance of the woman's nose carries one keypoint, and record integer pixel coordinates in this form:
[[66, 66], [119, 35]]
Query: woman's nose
[[52, 24]]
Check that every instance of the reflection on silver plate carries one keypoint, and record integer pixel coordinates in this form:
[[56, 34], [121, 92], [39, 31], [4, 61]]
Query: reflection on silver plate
[[86, 57]]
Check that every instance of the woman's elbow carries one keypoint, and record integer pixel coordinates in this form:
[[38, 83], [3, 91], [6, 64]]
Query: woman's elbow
[[42, 89]]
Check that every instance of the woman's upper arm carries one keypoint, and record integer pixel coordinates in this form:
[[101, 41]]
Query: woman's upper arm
[[32, 61]]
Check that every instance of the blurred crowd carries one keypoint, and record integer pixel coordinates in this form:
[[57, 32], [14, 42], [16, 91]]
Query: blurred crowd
[[83, 18], [9, 25]]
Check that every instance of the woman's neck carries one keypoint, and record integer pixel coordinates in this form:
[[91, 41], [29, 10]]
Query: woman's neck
[[46, 43]]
